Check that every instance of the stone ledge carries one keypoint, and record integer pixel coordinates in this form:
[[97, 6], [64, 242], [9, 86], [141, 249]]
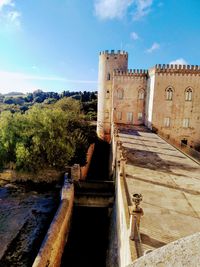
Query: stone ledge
[[184, 252], [50, 253]]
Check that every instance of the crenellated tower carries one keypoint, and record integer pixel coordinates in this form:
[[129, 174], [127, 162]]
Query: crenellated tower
[[108, 62]]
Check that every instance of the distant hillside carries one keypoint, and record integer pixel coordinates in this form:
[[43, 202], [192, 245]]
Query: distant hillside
[[19, 102], [14, 94]]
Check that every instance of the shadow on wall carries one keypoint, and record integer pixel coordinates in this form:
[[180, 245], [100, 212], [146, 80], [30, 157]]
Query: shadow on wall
[[99, 167]]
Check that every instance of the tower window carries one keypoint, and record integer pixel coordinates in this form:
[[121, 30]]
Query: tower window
[[140, 116], [184, 142], [107, 94], [119, 115], [188, 94], [106, 115], [186, 123], [129, 116], [166, 122], [108, 76], [141, 94], [120, 94], [169, 93]]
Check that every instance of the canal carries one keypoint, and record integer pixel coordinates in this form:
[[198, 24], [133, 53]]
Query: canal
[[88, 239]]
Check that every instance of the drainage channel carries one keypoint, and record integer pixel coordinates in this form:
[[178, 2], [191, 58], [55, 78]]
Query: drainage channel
[[88, 239]]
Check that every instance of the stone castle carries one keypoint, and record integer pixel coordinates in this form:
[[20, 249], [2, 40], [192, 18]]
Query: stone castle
[[165, 98]]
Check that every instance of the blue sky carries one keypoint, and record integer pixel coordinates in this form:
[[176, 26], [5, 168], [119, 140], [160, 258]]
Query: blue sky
[[54, 45]]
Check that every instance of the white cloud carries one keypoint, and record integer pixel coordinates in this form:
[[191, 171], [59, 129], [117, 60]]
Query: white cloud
[[4, 3], [23, 82], [134, 36], [179, 61], [155, 46], [143, 7], [9, 16], [13, 17], [111, 9]]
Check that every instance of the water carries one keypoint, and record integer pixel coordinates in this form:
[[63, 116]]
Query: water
[[88, 238], [25, 214]]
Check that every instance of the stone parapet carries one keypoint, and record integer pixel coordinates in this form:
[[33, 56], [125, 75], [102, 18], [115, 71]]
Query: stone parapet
[[177, 69], [131, 72], [113, 52]]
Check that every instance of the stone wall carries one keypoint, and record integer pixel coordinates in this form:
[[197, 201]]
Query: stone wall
[[84, 169], [178, 108], [52, 248], [125, 251], [129, 92]]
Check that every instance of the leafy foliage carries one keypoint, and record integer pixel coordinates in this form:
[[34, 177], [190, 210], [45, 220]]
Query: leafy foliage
[[52, 136]]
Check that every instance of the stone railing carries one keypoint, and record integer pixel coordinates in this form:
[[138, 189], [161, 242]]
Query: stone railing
[[52, 248], [194, 154]]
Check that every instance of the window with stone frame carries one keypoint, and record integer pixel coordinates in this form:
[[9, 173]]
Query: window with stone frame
[[188, 94], [129, 116], [169, 93], [106, 115], [119, 115], [186, 123], [107, 94], [120, 94], [140, 116], [167, 122], [141, 94]]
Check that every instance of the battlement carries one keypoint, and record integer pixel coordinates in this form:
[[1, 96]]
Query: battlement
[[131, 72], [113, 52], [174, 68]]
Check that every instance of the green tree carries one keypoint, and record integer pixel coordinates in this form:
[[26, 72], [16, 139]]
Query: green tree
[[45, 136]]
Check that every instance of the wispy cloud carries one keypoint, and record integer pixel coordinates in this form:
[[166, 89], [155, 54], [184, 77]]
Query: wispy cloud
[[179, 61], [134, 36], [23, 82], [112, 9], [143, 8], [5, 75], [155, 46], [9, 15]]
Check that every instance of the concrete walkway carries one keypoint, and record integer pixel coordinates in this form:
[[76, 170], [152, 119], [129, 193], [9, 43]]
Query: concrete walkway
[[169, 182]]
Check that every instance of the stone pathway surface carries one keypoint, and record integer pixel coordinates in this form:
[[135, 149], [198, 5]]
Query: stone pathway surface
[[169, 182]]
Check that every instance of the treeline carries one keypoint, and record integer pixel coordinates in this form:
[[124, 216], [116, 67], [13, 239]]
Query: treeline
[[39, 96], [16, 102], [45, 136]]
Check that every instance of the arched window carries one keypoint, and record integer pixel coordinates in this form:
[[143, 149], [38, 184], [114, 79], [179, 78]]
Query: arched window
[[120, 93], [141, 94], [169, 93], [188, 94]]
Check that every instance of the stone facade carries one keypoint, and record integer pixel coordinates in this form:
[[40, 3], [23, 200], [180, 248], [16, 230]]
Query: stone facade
[[165, 98]]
